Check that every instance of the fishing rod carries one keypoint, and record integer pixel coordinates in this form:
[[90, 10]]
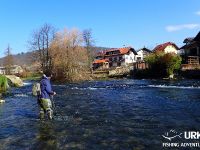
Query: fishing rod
[[53, 104]]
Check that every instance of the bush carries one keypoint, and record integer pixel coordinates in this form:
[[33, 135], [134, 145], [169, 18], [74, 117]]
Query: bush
[[163, 65], [3, 84]]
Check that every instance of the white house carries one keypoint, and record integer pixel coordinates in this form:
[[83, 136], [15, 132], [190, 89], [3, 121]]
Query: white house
[[121, 56], [142, 53], [117, 57], [168, 47], [15, 69]]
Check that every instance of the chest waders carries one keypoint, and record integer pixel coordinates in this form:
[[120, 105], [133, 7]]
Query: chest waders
[[44, 104], [46, 108]]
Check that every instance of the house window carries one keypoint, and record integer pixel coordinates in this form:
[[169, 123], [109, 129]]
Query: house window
[[110, 58], [115, 58], [120, 58], [118, 64]]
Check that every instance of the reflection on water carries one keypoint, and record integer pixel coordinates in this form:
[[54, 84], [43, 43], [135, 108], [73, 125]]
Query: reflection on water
[[46, 137], [118, 114]]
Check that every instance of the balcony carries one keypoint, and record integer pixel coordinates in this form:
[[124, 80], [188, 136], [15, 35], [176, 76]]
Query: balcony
[[193, 60]]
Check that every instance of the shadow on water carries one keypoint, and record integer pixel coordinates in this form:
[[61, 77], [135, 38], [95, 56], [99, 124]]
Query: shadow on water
[[118, 114]]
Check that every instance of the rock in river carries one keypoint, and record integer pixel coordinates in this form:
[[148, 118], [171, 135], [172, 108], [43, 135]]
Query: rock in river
[[16, 81]]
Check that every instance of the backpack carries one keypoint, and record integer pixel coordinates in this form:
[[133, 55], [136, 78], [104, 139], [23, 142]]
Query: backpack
[[36, 91]]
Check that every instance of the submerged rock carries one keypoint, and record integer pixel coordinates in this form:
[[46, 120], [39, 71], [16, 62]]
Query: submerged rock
[[2, 101]]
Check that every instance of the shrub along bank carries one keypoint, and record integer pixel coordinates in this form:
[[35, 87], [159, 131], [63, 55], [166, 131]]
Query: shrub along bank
[[160, 66]]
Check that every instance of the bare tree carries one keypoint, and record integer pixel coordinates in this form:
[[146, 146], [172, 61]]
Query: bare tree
[[89, 42], [40, 42], [8, 60]]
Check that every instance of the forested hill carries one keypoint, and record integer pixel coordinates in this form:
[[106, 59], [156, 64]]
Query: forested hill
[[20, 59]]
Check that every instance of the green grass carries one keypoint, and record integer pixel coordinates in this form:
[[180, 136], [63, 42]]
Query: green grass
[[32, 78], [3, 84]]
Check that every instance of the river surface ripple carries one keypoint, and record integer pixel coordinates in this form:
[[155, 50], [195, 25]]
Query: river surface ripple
[[116, 114]]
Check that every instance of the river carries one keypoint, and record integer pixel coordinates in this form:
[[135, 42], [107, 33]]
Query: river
[[116, 114]]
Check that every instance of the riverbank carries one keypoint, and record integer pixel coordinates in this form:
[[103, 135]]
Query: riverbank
[[190, 74], [147, 74], [123, 72]]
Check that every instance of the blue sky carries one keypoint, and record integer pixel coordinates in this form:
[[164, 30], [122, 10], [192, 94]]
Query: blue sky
[[114, 23]]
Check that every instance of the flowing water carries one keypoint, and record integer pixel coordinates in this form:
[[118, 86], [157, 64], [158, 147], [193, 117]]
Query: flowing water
[[116, 114]]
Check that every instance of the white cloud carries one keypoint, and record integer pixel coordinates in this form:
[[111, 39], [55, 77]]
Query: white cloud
[[173, 28], [198, 13]]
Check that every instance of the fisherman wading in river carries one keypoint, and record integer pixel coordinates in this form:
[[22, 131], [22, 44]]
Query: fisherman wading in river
[[44, 93]]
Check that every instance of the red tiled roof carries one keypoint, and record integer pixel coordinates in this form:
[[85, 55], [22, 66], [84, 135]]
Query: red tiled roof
[[123, 50], [162, 47], [100, 61]]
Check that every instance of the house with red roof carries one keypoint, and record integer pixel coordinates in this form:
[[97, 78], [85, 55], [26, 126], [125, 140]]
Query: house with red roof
[[115, 57], [167, 47]]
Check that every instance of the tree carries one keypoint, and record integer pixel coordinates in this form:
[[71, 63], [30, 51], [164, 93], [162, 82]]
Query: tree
[[88, 41], [8, 60], [69, 58], [41, 40]]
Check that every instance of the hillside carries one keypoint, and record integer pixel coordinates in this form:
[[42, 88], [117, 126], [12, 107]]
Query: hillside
[[20, 59]]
